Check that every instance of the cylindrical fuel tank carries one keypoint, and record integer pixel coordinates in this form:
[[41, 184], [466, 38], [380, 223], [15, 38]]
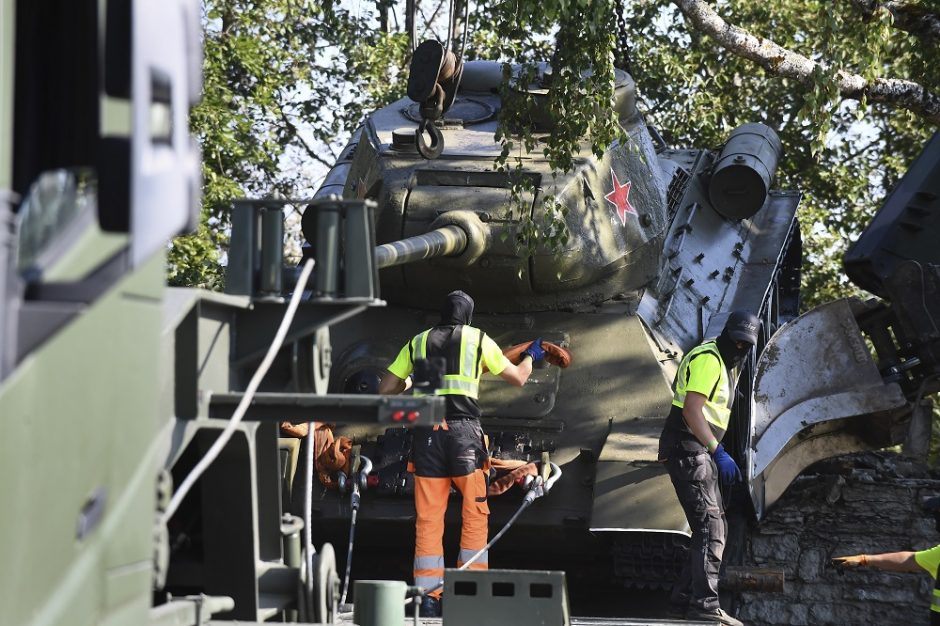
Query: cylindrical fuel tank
[[743, 173]]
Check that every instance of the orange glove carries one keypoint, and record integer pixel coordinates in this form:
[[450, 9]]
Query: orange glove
[[554, 354], [851, 562]]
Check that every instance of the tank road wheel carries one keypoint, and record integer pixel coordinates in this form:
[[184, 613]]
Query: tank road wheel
[[325, 585]]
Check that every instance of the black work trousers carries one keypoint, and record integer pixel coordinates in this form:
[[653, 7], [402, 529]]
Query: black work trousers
[[695, 479]]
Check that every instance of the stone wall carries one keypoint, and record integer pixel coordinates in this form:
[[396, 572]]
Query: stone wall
[[862, 504]]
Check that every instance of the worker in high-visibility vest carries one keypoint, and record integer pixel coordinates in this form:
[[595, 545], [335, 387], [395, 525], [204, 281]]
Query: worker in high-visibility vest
[[690, 447], [452, 451]]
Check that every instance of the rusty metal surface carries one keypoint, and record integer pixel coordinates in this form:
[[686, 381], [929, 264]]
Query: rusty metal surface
[[814, 375], [744, 578]]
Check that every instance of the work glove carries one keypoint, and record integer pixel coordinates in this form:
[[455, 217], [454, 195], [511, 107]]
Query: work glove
[[535, 350], [728, 471], [850, 562]]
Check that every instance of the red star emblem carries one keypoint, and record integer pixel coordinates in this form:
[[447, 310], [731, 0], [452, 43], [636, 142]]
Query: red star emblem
[[620, 198]]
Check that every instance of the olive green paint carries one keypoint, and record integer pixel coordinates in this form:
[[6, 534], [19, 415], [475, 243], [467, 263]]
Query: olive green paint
[[80, 418]]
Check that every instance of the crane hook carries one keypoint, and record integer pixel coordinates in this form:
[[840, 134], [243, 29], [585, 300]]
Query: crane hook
[[436, 146]]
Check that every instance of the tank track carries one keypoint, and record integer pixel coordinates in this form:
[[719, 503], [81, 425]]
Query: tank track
[[642, 561]]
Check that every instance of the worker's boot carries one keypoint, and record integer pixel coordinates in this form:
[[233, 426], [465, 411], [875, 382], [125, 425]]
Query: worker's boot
[[430, 607], [712, 615]]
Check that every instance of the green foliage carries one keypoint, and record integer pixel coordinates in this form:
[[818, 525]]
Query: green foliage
[[577, 101], [193, 261], [844, 157], [286, 79], [283, 83]]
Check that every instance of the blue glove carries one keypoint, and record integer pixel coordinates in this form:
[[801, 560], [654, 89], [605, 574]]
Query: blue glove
[[535, 350], [728, 471]]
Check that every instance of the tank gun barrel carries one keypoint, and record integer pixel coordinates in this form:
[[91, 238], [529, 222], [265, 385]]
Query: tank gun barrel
[[460, 235], [449, 240]]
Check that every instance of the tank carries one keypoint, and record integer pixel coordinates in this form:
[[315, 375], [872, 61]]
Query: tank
[[663, 243], [116, 391]]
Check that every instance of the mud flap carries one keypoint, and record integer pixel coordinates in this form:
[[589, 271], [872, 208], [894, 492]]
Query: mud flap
[[817, 394], [635, 507]]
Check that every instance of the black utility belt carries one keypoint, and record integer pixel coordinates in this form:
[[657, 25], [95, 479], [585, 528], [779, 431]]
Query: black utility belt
[[683, 444]]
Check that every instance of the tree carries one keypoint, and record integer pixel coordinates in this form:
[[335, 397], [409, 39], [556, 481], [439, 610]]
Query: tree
[[282, 82], [850, 86], [846, 146]]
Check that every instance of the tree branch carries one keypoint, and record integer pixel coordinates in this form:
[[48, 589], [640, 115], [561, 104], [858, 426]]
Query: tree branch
[[907, 17], [782, 62], [294, 131]]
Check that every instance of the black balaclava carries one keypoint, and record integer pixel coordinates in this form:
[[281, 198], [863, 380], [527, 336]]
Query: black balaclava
[[741, 326], [457, 309], [730, 354]]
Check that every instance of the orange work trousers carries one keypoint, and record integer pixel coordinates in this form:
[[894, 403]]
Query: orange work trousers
[[431, 496]]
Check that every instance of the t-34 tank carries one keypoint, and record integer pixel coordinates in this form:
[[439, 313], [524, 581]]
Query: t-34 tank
[[663, 244]]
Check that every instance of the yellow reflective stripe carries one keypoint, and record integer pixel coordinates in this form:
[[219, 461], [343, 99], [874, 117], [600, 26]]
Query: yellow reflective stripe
[[459, 384], [714, 413], [467, 379], [421, 345], [935, 601], [456, 387], [452, 381], [469, 344], [717, 415]]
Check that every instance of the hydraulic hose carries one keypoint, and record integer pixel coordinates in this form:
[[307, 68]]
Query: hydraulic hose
[[249, 395], [358, 482], [349, 551]]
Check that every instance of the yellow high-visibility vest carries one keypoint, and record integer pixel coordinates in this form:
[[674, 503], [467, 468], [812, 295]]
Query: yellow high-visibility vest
[[717, 408], [467, 381]]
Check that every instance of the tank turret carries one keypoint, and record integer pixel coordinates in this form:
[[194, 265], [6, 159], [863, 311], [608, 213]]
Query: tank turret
[[662, 243], [616, 206]]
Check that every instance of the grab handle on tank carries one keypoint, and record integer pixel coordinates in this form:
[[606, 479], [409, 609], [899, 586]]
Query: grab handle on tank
[[364, 470], [553, 477]]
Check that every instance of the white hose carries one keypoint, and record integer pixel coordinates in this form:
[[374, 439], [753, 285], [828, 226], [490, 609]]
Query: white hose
[[242, 407]]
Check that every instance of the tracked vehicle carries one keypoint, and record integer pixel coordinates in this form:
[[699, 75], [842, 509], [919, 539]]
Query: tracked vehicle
[[113, 388], [664, 243]]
